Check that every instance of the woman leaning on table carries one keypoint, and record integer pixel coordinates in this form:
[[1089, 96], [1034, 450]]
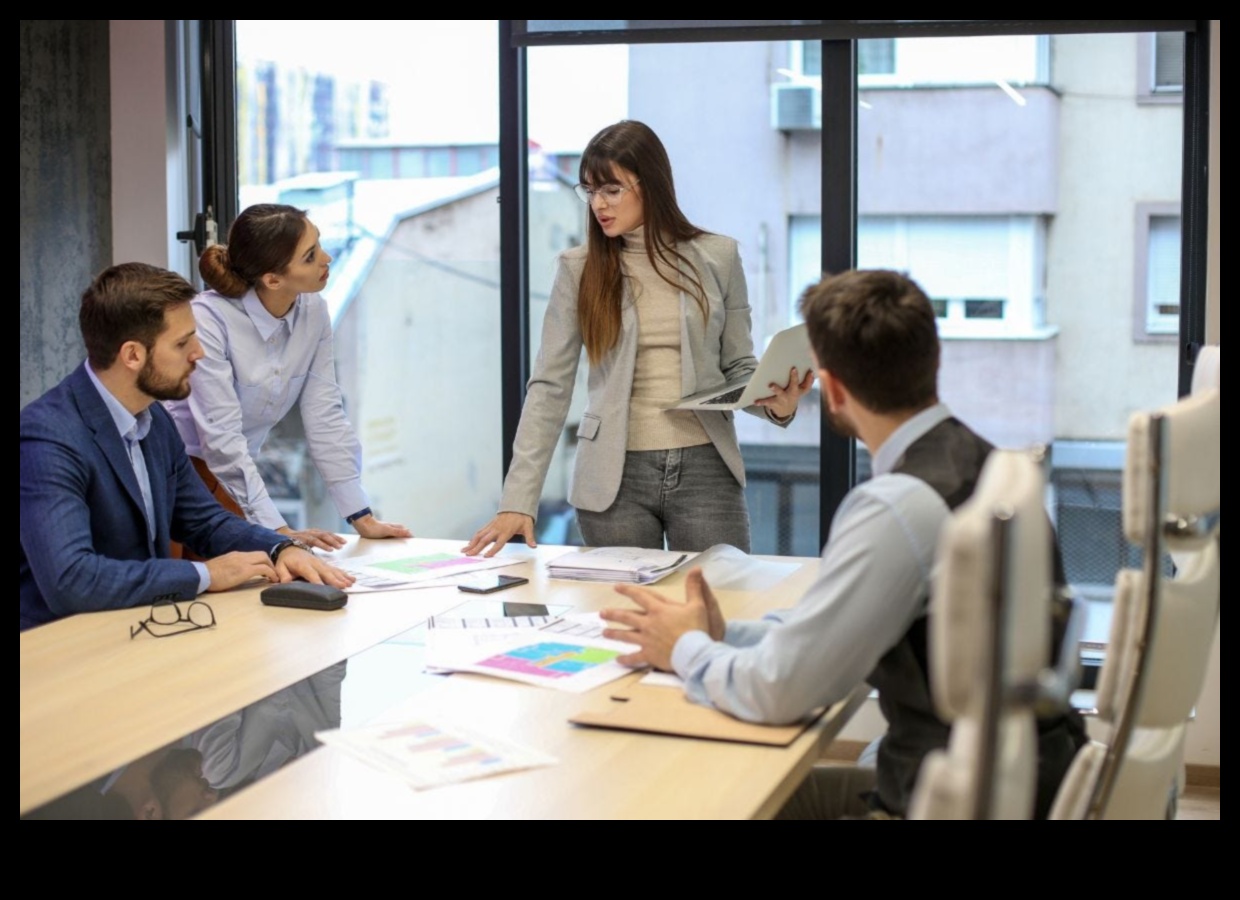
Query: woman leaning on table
[[662, 310], [267, 336]]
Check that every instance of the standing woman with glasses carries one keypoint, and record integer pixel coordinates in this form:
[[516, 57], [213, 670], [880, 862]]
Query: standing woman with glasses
[[661, 308], [267, 338]]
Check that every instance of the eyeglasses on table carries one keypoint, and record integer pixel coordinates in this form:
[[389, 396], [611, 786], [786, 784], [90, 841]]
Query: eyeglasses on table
[[172, 617]]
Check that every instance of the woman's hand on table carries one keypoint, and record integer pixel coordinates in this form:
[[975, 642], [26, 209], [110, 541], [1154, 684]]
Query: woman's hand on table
[[370, 527], [499, 531]]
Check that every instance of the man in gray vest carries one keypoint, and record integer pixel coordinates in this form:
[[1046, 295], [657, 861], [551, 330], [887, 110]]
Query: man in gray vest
[[876, 344]]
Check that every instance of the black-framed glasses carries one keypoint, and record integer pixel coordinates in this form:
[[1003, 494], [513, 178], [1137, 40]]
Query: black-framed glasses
[[611, 193], [170, 617]]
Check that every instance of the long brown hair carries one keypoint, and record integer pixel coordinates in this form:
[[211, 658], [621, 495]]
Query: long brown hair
[[637, 148], [263, 239]]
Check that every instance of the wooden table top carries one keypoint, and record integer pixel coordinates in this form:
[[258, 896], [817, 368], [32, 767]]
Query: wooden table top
[[92, 700]]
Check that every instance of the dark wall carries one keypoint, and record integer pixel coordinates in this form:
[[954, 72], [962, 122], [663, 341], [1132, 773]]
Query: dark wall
[[66, 189]]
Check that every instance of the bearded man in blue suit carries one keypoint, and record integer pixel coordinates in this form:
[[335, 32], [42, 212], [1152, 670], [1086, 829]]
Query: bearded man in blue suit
[[105, 480]]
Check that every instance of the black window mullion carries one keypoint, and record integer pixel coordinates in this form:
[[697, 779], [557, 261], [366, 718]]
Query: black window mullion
[[513, 235], [1194, 199], [219, 119], [839, 241]]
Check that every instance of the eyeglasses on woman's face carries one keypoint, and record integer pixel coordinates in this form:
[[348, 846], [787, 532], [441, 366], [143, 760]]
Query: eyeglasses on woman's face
[[611, 194]]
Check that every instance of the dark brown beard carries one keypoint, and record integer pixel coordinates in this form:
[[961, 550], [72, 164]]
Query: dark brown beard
[[161, 389]]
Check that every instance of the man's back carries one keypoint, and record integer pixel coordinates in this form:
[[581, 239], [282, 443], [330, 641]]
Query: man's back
[[949, 458]]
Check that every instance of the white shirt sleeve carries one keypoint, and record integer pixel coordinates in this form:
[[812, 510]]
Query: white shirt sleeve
[[219, 419], [334, 446], [872, 584]]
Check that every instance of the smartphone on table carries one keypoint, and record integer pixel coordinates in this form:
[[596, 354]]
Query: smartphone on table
[[485, 583]]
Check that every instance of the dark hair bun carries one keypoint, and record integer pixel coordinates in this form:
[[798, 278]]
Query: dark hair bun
[[216, 270]]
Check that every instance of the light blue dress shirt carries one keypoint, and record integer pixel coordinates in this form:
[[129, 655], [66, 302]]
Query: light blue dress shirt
[[256, 368], [132, 430], [874, 576]]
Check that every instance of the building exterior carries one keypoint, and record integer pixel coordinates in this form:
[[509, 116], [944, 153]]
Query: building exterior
[[995, 171]]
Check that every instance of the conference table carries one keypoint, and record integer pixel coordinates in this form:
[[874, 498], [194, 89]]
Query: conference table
[[93, 700]]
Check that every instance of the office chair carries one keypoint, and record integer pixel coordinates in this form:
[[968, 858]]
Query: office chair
[[989, 640], [1163, 625]]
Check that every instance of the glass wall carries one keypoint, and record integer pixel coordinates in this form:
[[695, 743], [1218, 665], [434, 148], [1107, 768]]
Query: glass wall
[[1004, 175], [387, 133], [736, 174]]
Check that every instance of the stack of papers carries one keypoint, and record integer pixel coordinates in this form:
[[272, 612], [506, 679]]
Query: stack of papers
[[632, 565]]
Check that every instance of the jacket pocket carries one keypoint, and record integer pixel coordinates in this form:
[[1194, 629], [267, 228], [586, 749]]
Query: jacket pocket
[[588, 428]]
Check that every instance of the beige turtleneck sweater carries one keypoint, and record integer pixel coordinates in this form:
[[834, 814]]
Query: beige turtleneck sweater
[[656, 375]]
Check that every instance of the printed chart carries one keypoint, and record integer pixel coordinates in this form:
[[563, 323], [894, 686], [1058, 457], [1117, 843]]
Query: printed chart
[[550, 659], [378, 573], [564, 661], [430, 752]]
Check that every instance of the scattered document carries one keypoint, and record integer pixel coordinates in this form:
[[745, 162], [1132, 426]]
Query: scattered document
[[379, 572], [728, 568], [632, 565], [429, 752], [568, 654], [500, 623], [662, 679]]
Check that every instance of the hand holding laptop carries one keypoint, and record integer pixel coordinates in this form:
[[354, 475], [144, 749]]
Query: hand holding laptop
[[783, 401], [788, 360]]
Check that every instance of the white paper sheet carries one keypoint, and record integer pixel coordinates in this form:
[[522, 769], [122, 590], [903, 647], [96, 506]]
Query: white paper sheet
[[432, 751], [386, 572], [568, 654]]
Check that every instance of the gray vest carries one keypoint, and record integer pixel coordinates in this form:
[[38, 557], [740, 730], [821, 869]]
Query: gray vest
[[949, 458]]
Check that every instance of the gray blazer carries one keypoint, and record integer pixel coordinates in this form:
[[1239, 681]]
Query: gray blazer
[[712, 353]]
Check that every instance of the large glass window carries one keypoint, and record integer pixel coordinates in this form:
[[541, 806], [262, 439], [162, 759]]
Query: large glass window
[[386, 132], [1011, 204], [732, 177]]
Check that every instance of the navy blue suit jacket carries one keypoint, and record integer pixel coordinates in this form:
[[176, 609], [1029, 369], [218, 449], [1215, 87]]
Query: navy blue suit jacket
[[83, 525]]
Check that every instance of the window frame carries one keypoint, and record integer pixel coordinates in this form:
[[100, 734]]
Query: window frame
[[839, 182], [1141, 312], [1148, 92], [839, 152]]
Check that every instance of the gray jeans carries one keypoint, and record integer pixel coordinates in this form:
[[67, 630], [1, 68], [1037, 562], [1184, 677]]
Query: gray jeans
[[687, 497]]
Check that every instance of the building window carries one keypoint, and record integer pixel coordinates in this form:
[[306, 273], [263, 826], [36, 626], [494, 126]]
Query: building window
[[874, 57], [983, 274], [983, 271], [1160, 67], [1156, 302], [905, 62], [807, 58]]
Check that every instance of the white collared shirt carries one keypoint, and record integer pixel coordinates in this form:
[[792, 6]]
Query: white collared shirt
[[256, 368], [133, 430]]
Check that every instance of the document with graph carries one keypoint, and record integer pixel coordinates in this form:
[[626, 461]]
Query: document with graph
[[431, 751], [568, 653], [385, 572]]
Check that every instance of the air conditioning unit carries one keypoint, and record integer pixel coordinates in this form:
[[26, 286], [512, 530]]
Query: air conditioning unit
[[796, 107]]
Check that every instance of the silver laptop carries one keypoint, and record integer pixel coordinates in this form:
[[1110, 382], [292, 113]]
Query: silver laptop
[[787, 349]]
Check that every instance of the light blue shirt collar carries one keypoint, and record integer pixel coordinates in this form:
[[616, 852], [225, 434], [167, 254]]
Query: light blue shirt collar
[[903, 437], [131, 427], [264, 321]]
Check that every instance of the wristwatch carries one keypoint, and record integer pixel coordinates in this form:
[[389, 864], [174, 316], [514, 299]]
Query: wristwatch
[[361, 513], [274, 552]]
